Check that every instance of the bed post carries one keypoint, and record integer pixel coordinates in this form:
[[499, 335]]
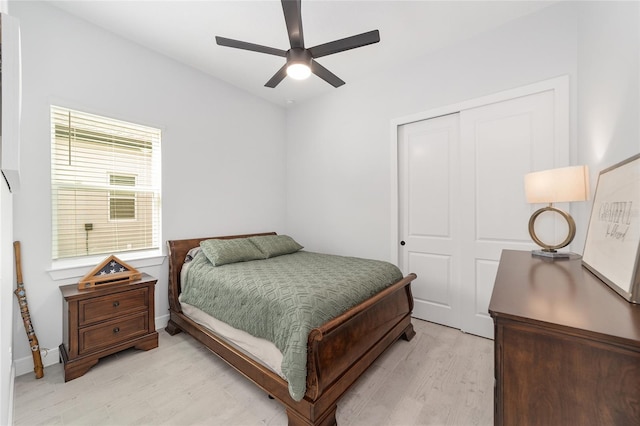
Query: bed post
[[409, 332], [328, 418]]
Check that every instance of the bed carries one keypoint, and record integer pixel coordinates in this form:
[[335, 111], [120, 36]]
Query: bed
[[337, 352]]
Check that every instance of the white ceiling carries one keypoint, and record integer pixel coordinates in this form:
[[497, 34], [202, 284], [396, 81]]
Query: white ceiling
[[185, 30]]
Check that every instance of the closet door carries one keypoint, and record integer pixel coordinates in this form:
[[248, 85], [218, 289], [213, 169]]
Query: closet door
[[429, 168], [461, 198], [500, 143]]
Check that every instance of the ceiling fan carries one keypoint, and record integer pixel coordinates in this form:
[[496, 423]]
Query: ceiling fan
[[300, 60]]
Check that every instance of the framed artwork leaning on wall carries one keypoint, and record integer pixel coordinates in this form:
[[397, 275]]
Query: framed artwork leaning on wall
[[612, 248]]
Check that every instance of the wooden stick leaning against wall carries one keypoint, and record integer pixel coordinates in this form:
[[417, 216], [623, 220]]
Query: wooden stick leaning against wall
[[21, 294]]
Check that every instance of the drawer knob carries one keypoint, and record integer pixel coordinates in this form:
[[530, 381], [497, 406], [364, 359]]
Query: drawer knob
[[116, 304], [116, 329]]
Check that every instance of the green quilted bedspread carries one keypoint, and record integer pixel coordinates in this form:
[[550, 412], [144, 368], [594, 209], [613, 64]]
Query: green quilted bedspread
[[283, 298]]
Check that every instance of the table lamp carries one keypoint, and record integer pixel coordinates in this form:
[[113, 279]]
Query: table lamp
[[561, 185]]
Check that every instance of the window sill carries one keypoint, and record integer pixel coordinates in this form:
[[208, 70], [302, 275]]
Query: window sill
[[77, 268]]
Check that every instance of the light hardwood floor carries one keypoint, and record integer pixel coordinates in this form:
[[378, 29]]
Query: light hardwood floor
[[441, 377]]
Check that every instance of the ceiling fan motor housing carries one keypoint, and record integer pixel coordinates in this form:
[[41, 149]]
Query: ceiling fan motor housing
[[299, 55]]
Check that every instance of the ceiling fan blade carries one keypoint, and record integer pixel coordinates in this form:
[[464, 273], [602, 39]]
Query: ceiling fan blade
[[343, 44], [293, 18], [222, 41], [325, 74], [277, 77]]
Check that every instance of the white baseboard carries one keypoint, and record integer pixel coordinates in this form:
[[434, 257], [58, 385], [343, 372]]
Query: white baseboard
[[161, 322], [52, 356], [25, 365]]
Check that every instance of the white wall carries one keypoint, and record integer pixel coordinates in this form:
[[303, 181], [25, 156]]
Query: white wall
[[608, 82], [223, 150], [7, 298], [338, 191], [7, 301], [608, 87]]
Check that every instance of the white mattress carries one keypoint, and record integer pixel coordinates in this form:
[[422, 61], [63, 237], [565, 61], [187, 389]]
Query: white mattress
[[259, 349]]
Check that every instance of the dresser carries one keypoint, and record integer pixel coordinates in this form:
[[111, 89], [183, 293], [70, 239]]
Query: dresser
[[104, 320], [567, 347]]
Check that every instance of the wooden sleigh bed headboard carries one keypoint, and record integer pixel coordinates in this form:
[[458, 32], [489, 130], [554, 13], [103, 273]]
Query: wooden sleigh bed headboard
[[338, 352]]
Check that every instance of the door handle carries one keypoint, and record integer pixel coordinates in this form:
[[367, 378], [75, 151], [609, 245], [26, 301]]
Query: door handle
[[402, 243]]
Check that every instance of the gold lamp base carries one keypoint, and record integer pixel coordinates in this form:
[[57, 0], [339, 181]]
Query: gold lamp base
[[551, 251]]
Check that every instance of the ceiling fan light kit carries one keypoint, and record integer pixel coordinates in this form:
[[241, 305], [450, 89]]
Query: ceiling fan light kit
[[298, 71], [300, 60], [299, 63]]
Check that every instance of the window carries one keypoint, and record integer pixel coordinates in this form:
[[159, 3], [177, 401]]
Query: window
[[105, 185], [122, 204]]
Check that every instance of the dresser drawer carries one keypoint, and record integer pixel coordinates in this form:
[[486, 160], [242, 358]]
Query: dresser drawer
[[100, 308], [110, 333]]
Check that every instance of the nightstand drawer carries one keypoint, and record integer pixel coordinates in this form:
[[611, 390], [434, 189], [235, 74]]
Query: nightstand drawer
[[111, 333], [101, 308]]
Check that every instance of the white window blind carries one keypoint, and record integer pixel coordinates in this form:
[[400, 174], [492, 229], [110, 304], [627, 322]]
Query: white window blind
[[105, 185]]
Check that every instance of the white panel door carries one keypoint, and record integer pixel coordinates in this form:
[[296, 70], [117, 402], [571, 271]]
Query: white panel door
[[428, 178], [500, 143], [461, 198]]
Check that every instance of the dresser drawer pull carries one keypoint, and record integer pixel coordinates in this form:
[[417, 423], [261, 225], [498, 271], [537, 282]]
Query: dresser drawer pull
[[116, 330], [116, 304]]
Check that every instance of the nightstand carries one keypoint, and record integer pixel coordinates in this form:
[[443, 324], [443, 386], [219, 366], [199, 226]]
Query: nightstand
[[104, 320]]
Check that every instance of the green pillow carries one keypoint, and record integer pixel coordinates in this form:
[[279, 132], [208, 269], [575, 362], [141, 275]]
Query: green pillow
[[275, 245], [222, 252]]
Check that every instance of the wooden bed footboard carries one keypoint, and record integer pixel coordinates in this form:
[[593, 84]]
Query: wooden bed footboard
[[339, 345], [339, 351]]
